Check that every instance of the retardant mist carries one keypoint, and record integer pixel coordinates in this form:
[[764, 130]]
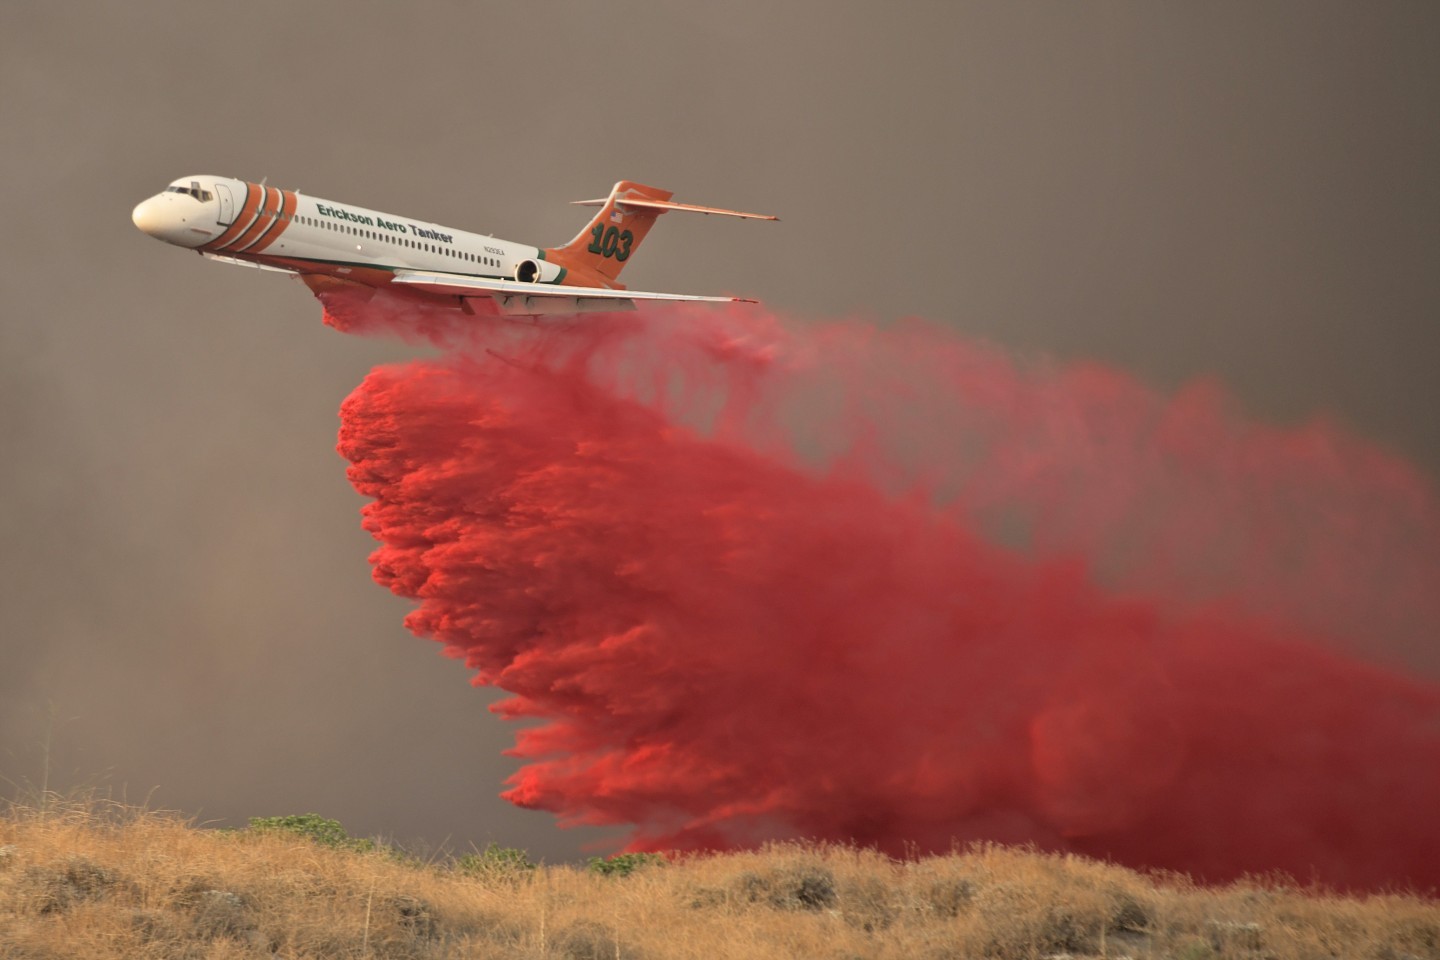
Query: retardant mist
[[754, 580]]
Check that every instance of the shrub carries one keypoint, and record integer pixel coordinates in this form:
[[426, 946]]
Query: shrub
[[791, 886], [55, 888], [624, 864], [415, 916], [495, 859], [315, 828]]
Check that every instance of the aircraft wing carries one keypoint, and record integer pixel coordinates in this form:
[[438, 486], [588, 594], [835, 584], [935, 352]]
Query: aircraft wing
[[457, 284]]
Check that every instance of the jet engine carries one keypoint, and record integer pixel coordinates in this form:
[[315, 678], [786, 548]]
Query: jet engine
[[537, 271]]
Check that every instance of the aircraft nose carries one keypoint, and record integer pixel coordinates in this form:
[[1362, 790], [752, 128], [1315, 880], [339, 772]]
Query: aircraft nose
[[149, 216], [183, 223]]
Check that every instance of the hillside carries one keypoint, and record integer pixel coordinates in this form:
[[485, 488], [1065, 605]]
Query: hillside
[[90, 881]]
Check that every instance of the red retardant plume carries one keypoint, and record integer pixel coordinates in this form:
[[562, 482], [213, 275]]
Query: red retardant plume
[[756, 581]]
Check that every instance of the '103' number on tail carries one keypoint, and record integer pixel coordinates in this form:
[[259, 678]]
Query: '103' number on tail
[[610, 242]]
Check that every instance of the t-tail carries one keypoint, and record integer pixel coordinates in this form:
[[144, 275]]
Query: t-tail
[[600, 251]]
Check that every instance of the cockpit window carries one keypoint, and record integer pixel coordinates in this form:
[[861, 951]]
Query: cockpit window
[[191, 191]]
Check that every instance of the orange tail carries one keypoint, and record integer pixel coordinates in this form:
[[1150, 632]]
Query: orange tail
[[601, 250]]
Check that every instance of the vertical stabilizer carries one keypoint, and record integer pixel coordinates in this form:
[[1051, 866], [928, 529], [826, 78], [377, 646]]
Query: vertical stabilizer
[[598, 254]]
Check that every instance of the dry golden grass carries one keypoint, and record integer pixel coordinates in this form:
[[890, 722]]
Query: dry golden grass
[[89, 881]]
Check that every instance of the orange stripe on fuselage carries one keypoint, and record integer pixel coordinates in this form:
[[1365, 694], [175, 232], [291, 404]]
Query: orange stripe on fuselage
[[242, 219], [262, 222], [287, 210]]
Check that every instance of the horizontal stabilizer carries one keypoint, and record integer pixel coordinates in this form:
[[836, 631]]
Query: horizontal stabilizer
[[664, 205], [459, 284]]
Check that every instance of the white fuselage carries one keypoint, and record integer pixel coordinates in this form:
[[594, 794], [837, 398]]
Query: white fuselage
[[247, 221], [349, 235]]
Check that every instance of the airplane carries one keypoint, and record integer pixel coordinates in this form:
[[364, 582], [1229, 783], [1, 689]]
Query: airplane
[[329, 245]]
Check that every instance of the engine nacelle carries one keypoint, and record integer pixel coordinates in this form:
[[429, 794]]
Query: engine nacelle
[[537, 271]]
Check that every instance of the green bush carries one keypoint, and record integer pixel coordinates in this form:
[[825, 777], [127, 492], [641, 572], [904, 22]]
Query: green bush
[[624, 864], [495, 859], [315, 828]]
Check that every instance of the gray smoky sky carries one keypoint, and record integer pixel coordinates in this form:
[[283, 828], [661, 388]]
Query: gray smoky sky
[[1237, 189]]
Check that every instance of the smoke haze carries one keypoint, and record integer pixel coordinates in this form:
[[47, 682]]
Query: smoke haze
[[727, 635]]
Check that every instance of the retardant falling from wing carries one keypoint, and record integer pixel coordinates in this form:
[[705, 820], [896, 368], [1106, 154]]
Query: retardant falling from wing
[[884, 586]]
